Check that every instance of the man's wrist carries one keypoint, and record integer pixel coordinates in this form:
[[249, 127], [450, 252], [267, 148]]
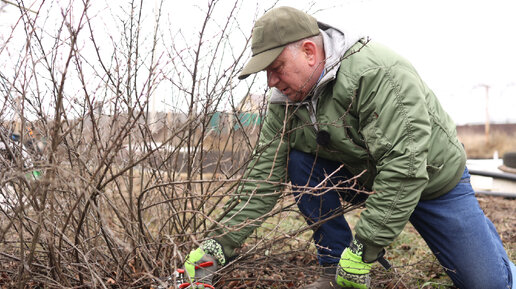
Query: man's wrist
[[214, 248], [370, 252]]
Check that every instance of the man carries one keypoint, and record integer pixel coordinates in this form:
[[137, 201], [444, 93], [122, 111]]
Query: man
[[342, 106]]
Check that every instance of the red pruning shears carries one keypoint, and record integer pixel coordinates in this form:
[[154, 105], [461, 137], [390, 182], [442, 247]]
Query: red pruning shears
[[180, 277]]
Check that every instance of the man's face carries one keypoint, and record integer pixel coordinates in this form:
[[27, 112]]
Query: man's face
[[291, 74]]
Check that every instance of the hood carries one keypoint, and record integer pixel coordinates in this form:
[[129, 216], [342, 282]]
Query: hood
[[336, 43]]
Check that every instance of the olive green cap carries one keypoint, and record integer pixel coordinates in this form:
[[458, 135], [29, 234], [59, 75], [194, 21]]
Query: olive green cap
[[273, 31]]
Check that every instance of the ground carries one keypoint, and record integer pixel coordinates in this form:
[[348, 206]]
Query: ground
[[502, 212], [413, 264]]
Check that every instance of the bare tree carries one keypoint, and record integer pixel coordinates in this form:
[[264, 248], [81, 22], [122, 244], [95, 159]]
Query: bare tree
[[101, 189]]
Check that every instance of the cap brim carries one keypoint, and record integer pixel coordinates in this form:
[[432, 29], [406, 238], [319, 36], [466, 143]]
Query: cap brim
[[260, 61]]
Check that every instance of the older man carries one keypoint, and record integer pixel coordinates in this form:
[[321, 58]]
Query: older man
[[340, 106]]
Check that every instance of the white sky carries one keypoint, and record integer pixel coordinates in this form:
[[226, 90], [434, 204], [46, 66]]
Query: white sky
[[455, 45]]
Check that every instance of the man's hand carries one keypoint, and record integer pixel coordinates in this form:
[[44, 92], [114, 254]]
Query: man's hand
[[202, 263], [352, 271], [200, 267]]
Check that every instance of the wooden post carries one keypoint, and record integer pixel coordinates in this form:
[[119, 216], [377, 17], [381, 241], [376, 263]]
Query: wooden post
[[487, 113], [486, 125]]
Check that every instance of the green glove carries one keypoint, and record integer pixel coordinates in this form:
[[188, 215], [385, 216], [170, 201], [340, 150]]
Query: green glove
[[202, 263], [352, 271]]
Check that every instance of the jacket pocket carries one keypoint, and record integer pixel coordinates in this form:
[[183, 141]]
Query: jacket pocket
[[376, 142], [433, 169]]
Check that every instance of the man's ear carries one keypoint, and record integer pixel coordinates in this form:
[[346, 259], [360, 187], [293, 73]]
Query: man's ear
[[309, 49]]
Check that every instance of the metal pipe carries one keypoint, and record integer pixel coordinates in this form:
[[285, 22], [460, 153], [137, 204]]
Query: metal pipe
[[504, 176], [497, 194]]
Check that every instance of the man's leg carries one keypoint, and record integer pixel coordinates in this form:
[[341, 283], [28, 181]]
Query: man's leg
[[333, 236], [463, 239]]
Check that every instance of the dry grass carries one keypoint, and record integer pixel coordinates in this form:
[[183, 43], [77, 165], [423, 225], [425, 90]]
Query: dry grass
[[479, 147], [293, 263], [140, 225]]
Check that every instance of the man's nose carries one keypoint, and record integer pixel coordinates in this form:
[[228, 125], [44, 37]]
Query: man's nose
[[272, 78]]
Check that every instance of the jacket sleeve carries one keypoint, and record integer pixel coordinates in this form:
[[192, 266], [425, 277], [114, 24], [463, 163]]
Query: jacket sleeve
[[396, 126], [258, 192]]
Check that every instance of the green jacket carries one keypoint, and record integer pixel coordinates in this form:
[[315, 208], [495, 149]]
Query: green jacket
[[382, 119]]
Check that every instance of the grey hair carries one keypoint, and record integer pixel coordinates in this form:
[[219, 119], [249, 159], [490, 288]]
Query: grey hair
[[294, 46]]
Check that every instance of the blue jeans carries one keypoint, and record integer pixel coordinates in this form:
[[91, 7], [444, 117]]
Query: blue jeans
[[455, 228]]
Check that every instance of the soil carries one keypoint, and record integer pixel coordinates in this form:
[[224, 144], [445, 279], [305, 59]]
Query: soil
[[299, 267], [502, 212]]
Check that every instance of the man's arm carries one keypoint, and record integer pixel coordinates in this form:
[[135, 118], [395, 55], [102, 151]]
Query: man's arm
[[258, 192], [396, 126]]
